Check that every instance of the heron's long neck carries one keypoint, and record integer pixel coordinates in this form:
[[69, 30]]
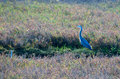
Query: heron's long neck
[[80, 33]]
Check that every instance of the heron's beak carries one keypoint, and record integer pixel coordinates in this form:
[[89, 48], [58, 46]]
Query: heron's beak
[[78, 26]]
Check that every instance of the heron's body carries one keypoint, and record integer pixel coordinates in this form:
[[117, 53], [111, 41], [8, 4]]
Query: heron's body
[[83, 41]]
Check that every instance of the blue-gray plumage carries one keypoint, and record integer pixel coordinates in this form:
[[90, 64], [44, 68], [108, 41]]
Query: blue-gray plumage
[[11, 54], [82, 40]]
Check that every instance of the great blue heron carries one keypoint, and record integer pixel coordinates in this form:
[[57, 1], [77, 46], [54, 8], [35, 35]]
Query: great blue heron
[[82, 40]]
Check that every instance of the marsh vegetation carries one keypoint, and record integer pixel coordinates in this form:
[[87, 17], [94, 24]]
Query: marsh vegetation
[[46, 34]]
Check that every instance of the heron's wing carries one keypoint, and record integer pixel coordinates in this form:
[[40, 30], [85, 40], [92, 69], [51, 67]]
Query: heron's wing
[[85, 43]]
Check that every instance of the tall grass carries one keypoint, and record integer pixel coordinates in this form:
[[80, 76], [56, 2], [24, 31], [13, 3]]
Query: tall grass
[[38, 27], [61, 67]]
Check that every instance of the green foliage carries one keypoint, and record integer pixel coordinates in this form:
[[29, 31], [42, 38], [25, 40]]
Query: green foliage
[[84, 51], [2, 49], [43, 29]]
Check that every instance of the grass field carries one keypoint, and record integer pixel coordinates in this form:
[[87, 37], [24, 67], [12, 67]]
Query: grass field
[[46, 44], [40, 27], [60, 67]]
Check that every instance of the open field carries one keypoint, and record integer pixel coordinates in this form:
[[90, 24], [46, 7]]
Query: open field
[[37, 27], [60, 67], [45, 40]]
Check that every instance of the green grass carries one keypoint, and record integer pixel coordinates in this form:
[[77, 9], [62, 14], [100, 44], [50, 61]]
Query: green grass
[[45, 41], [42, 28]]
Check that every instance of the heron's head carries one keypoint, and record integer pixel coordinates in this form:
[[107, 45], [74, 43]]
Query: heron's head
[[79, 26]]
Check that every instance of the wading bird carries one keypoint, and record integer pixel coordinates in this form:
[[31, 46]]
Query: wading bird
[[82, 40]]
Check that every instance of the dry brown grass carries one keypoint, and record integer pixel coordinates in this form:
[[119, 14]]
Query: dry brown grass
[[60, 67]]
